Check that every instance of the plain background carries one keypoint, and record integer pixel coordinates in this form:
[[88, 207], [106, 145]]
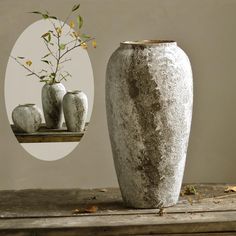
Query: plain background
[[205, 29]]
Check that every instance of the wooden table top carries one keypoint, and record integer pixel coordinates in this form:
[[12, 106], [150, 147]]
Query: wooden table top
[[101, 212]]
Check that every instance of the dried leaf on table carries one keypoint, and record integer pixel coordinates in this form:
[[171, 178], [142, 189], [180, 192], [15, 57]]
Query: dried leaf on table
[[76, 211], [230, 189], [103, 190], [189, 190], [190, 200], [91, 209], [161, 212]]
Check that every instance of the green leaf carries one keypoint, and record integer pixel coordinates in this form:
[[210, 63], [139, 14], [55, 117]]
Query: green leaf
[[21, 57], [44, 80], [47, 37], [45, 16], [85, 36], [62, 46], [43, 76], [80, 21], [53, 17], [45, 61], [36, 12], [75, 7]]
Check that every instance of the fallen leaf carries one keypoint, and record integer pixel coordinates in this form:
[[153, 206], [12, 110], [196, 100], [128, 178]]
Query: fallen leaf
[[182, 193], [190, 200], [91, 209], [216, 202], [230, 189], [190, 190], [103, 190], [76, 211], [161, 212]]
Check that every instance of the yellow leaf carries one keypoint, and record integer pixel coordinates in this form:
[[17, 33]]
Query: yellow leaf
[[28, 63], [94, 43], [84, 45], [58, 29], [230, 189], [72, 24], [75, 34]]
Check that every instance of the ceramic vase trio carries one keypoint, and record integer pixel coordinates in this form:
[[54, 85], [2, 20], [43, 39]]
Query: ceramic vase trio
[[149, 98], [55, 102]]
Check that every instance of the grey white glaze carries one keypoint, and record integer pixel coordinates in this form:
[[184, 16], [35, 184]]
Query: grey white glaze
[[149, 99], [52, 96], [75, 107], [27, 118]]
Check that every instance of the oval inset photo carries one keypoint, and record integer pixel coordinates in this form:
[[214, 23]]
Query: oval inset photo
[[49, 88]]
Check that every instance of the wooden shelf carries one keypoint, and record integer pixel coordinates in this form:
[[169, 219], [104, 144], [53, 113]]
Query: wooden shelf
[[45, 135]]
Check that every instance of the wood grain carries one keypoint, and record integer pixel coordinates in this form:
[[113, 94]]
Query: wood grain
[[50, 212]]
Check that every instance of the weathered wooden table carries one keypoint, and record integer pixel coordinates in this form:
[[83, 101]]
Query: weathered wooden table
[[53, 213], [45, 135]]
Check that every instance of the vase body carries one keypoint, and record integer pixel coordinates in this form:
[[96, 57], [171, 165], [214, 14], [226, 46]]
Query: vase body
[[27, 118], [52, 95], [75, 107], [149, 110]]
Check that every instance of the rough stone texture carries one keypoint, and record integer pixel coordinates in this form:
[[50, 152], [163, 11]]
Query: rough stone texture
[[27, 118], [52, 96], [149, 110], [75, 107]]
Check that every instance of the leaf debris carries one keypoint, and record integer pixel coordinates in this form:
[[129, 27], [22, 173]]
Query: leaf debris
[[230, 189], [88, 209]]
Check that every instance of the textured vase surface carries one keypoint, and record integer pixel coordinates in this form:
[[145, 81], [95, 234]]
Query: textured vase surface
[[27, 118], [52, 96], [149, 99], [75, 107]]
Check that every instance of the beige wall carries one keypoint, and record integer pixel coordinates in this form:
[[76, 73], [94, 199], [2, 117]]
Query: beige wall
[[205, 29]]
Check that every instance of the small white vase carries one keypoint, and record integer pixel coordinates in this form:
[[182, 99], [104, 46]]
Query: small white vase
[[75, 107], [27, 118], [52, 95]]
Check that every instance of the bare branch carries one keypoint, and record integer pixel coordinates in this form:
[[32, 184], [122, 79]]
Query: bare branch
[[67, 59], [76, 46], [49, 49], [28, 69]]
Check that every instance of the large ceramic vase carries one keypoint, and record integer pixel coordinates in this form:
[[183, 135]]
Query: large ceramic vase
[[75, 107], [27, 118], [149, 99], [52, 95]]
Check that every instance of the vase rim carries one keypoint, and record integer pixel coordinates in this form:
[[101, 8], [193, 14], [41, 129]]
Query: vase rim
[[74, 91], [27, 105], [149, 42]]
